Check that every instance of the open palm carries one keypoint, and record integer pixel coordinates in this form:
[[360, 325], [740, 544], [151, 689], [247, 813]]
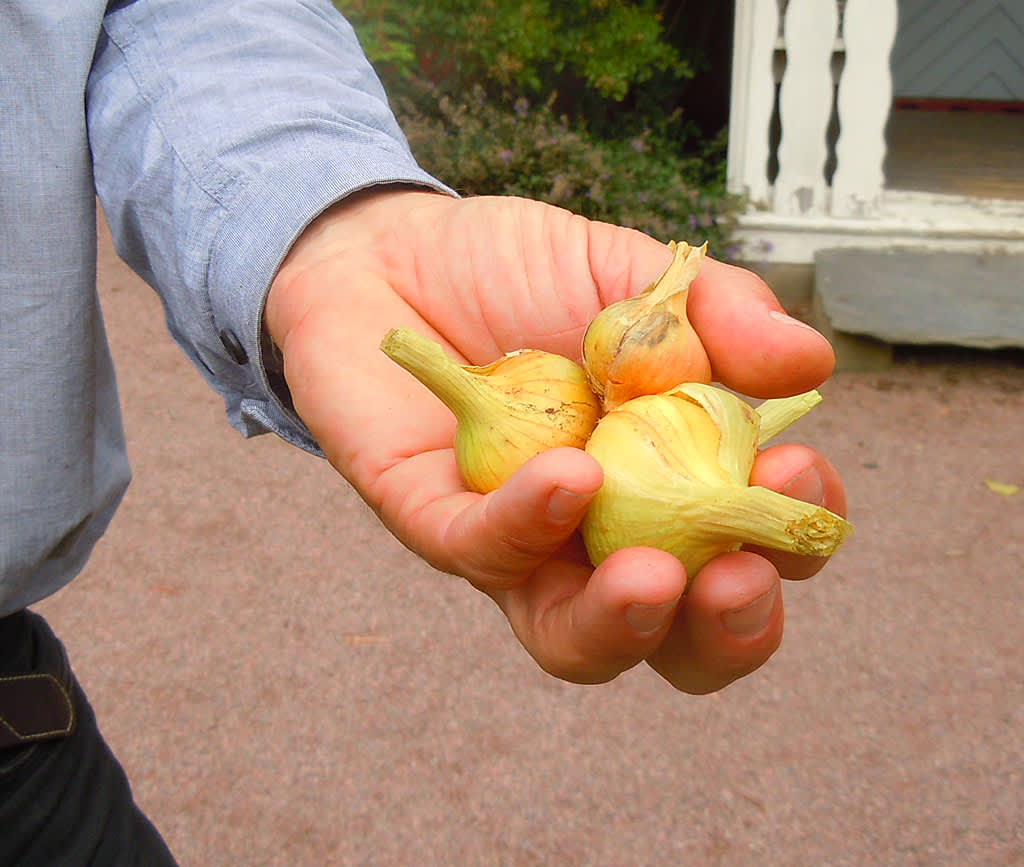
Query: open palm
[[487, 276]]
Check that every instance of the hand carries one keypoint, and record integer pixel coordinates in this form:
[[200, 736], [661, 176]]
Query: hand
[[484, 276]]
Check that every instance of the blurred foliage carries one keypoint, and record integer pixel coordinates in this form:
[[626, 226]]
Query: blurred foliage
[[575, 102], [535, 152], [525, 46]]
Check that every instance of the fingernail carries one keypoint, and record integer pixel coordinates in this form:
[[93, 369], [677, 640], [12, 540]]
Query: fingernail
[[564, 506], [807, 486], [748, 621], [645, 619], [786, 319]]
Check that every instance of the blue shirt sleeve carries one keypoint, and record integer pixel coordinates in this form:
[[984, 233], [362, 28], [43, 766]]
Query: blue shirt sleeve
[[219, 129]]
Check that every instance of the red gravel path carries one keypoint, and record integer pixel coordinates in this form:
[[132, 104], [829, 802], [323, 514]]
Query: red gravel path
[[288, 686]]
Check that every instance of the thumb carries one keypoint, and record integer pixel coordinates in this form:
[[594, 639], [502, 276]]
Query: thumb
[[498, 541], [754, 347]]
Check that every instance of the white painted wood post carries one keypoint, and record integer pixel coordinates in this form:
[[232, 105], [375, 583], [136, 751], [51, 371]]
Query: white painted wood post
[[805, 105], [865, 96], [753, 98]]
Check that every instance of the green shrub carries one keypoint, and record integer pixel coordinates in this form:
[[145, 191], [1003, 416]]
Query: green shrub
[[531, 46], [483, 149], [569, 102]]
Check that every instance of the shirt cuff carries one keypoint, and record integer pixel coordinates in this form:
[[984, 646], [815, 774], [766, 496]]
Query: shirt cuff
[[262, 224]]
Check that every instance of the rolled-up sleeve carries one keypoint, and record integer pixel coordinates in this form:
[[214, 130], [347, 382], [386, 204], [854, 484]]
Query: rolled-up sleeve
[[219, 129]]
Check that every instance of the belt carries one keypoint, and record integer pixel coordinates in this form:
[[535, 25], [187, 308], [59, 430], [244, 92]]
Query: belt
[[33, 707]]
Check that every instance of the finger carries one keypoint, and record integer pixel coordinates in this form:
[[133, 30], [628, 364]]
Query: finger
[[754, 347], [729, 623], [803, 474], [500, 539], [589, 627]]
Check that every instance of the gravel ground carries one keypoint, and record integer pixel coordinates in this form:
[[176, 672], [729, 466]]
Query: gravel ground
[[287, 685]]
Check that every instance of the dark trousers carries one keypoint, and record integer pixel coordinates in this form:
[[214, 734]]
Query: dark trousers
[[64, 798]]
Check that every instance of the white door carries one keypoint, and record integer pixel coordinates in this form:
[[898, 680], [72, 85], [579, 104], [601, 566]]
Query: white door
[[960, 49]]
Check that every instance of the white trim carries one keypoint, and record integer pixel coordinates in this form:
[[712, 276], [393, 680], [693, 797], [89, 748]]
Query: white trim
[[753, 96], [865, 93], [805, 103], [905, 219]]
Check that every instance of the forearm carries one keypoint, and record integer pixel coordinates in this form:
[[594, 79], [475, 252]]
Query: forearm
[[219, 131]]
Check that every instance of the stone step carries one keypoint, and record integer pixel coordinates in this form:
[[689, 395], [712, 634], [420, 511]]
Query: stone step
[[867, 301]]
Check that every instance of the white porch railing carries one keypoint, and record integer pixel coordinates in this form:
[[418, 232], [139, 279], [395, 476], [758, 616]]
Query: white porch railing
[[811, 92]]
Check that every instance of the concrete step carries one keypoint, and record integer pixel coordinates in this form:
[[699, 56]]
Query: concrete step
[[867, 301]]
